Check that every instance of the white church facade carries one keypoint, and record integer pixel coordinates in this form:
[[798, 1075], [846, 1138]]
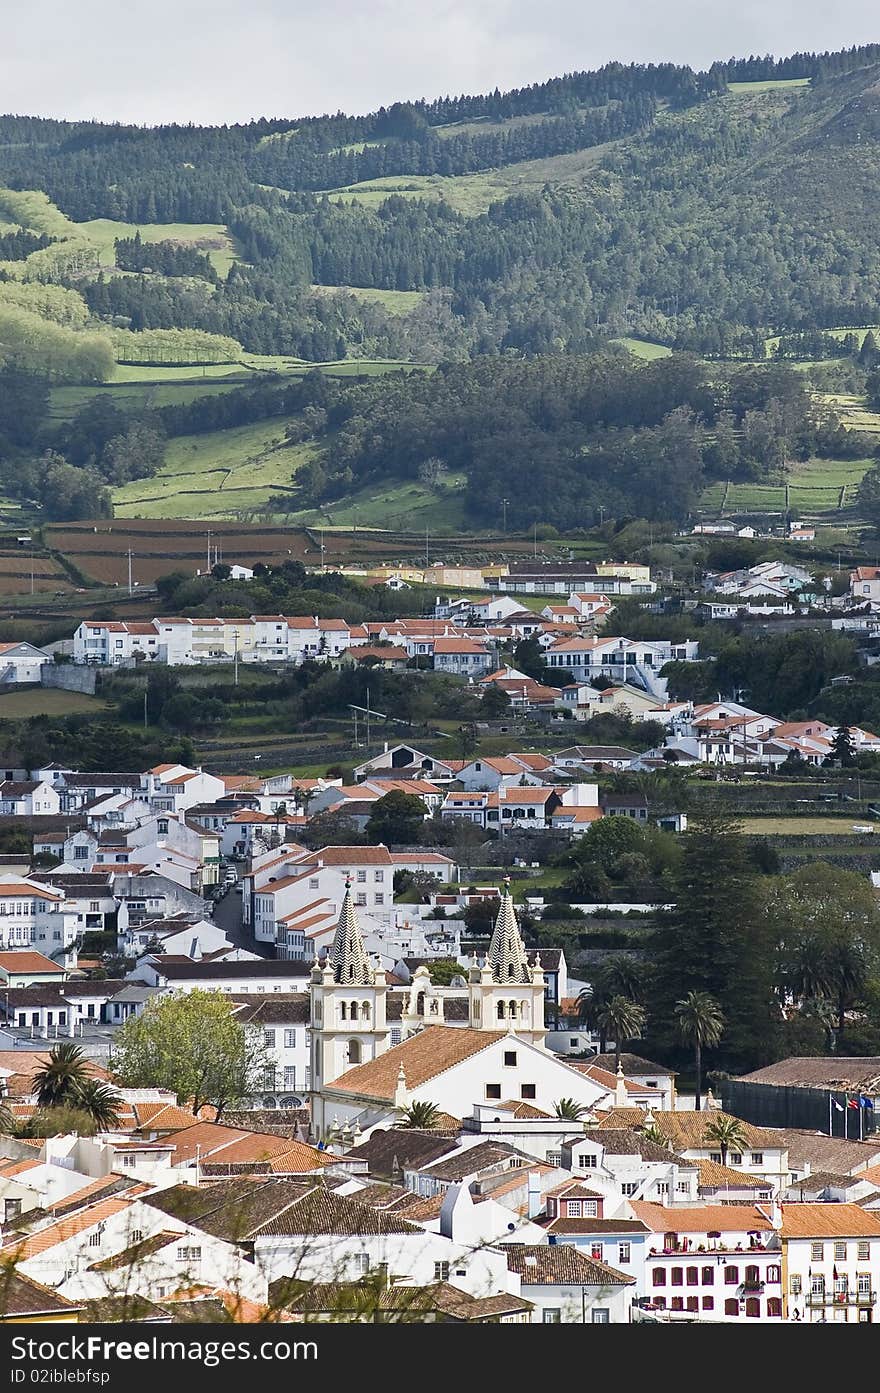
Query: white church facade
[[360, 1080]]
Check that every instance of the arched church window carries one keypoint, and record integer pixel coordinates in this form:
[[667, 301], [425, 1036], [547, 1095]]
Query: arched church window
[[354, 1051]]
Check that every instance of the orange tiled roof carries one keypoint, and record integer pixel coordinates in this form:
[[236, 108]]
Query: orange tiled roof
[[66, 1228]]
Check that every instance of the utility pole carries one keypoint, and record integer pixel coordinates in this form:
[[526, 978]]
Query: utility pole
[[145, 708], [129, 571], [209, 551], [536, 541], [368, 720], [427, 563], [504, 503], [32, 573], [235, 660], [322, 551]]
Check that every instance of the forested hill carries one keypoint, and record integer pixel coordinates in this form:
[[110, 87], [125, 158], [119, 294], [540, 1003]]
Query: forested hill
[[509, 239], [701, 209]]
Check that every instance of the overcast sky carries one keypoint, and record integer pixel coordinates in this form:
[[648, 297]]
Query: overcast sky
[[229, 60]]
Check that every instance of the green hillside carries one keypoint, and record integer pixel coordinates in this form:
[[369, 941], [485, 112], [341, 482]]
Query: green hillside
[[174, 288]]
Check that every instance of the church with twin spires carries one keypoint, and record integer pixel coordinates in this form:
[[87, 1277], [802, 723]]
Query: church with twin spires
[[357, 1073]]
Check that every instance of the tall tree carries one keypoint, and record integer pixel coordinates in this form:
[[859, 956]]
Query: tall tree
[[716, 940], [194, 1045], [700, 1023], [624, 1020], [843, 747]]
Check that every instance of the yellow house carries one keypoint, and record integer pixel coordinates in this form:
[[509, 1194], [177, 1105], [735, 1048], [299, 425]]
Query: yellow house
[[455, 577], [632, 569]]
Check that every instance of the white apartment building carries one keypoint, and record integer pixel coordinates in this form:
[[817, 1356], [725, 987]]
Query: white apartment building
[[33, 915]]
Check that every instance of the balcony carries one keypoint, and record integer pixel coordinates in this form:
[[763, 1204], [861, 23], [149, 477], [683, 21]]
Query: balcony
[[750, 1289], [841, 1298]]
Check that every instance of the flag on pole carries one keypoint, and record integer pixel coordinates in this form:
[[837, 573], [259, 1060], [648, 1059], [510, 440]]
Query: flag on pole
[[852, 1103], [837, 1105], [865, 1102]]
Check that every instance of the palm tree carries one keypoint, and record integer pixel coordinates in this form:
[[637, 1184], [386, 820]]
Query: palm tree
[[700, 1023], [651, 1132], [625, 976], [7, 1119], [61, 1077], [727, 1132], [425, 1116], [568, 1109], [848, 974], [590, 1002], [810, 972], [100, 1102], [624, 1020]]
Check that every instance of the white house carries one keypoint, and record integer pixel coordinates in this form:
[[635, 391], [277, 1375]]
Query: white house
[[21, 662], [568, 1288], [831, 1258], [29, 799]]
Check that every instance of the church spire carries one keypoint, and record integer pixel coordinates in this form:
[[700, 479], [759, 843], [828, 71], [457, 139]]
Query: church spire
[[347, 956], [507, 954]]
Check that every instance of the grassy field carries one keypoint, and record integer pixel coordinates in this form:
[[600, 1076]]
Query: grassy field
[[132, 388], [213, 238], [394, 301], [408, 506], [47, 702], [773, 85], [472, 194], [33, 209], [803, 826], [467, 193], [643, 348], [816, 486], [216, 474]]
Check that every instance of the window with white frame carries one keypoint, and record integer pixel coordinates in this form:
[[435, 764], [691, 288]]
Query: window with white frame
[[289, 1039]]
